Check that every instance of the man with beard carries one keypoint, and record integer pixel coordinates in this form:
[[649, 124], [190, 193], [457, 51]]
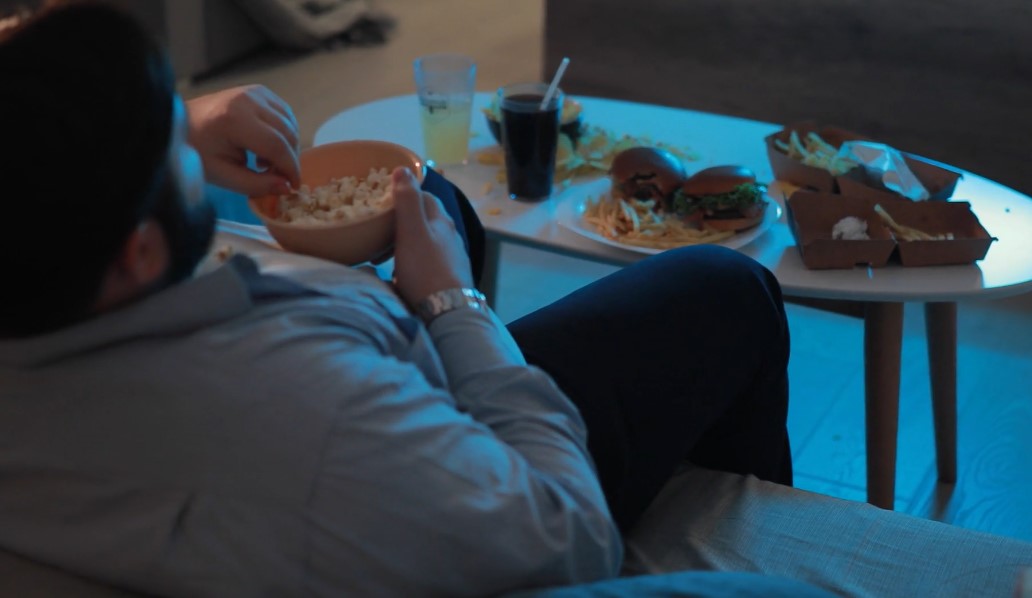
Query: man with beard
[[238, 432]]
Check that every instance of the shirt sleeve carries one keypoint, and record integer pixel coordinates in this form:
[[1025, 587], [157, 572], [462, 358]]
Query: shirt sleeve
[[477, 491]]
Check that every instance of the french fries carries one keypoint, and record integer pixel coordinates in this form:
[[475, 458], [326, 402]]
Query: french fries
[[815, 152], [908, 233], [636, 223], [595, 150]]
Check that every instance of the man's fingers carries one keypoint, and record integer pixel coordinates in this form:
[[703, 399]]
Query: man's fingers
[[431, 205], [284, 127], [408, 203], [248, 182], [276, 103], [270, 146]]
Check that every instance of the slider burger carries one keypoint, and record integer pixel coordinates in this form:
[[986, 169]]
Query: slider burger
[[647, 173], [721, 198]]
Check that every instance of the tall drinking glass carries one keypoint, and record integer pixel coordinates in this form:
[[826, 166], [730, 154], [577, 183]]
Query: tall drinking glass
[[445, 84], [530, 137]]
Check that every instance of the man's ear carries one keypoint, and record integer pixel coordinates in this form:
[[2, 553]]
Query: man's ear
[[139, 265], [144, 256]]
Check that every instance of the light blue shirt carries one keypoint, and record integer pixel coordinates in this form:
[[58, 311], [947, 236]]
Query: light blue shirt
[[281, 425]]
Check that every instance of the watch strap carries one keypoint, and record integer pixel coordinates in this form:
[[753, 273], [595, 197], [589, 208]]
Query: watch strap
[[448, 300]]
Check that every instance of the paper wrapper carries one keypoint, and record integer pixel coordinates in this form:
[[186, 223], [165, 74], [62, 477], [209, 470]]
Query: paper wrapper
[[940, 182], [812, 215], [885, 167], [937, 179]]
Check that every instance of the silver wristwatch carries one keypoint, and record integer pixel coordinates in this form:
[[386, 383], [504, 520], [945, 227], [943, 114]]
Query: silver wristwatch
[[448, 300]]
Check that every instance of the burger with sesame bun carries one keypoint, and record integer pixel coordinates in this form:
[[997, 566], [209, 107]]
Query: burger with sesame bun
[[721, 198]]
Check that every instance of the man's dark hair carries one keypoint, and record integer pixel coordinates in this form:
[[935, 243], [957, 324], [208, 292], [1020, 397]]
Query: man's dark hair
[[86, 101]]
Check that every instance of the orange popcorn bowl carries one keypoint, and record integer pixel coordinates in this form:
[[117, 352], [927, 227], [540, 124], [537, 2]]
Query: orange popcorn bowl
[[352, 241]]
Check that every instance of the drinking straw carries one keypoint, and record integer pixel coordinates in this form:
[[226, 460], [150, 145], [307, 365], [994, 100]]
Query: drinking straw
[[555, 82]]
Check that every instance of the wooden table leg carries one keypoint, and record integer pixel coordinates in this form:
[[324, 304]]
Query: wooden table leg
[[883, 340], [489, 275], [941, 330]]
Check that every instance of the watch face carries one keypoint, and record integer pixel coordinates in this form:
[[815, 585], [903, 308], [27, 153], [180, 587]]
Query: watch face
[[448, 300]]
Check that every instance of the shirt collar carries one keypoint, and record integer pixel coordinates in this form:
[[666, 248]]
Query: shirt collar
[[180, 309]]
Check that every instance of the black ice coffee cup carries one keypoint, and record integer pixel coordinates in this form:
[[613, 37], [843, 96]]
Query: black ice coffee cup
[[530, 136]]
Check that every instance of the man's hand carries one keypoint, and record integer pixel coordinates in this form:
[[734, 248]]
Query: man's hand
[[429, 255], [227, 124]]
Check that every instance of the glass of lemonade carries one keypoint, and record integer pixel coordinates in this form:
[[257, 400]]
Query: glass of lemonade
[[445, 85]]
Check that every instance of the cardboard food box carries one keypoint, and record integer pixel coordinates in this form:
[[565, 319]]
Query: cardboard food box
[[795, 172], [970, 241], [936, 178], [812, 216]]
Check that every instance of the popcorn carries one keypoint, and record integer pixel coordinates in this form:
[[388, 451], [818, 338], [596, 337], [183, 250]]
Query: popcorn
[[343, 199]]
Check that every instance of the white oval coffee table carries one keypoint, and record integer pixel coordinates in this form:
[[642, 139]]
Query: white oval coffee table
[[877, 295]]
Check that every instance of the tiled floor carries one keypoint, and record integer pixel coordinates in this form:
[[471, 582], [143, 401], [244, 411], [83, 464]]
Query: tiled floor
[[826, 422]]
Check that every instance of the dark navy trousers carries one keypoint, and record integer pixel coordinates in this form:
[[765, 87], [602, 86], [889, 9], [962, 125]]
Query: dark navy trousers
[[680, 357]]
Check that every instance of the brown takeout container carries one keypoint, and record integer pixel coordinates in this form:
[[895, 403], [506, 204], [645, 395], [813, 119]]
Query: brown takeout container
[[795, 172], [812, 215], [937, 179], [970, 242]]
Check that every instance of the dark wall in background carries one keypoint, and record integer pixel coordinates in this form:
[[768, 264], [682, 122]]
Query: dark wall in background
[[947, 79], [201, 35]]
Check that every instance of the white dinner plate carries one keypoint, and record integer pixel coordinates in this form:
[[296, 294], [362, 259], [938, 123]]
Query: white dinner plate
[[570, 214]]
